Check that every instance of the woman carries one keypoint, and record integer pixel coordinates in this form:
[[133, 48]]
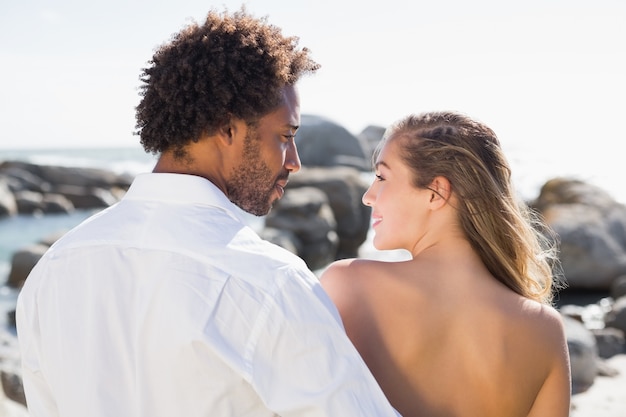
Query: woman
[[465, 327]]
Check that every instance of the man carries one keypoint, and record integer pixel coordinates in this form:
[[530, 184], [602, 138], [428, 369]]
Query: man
[[167, 304]]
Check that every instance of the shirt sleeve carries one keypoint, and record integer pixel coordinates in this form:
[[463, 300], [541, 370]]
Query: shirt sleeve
[[38, 394], [303, 363]]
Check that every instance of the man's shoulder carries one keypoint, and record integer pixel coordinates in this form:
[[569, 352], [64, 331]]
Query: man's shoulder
[[263, 255]]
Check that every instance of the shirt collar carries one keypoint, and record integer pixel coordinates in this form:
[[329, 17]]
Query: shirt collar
[[181, 188]]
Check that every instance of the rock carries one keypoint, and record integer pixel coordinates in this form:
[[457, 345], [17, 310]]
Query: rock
[[56, 203], [610, 341], [617, 316], [33, 202], [86, 197], [58, 189], [83, 177], [13, 387], [12, 397], [305, 212], [592, 230], [22, 179], [606, 397], [10, 408], [28, 202], [571, 191], [323, 143], [583, 352], [23, 262], [618, 288], [10, 318], [283, 238], [8, 205], [344, 188], [371, 137]]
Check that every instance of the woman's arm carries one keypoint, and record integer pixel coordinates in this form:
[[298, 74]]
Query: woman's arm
[[555, 395]]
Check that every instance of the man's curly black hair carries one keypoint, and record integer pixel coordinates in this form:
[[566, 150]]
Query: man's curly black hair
[[234, 65]]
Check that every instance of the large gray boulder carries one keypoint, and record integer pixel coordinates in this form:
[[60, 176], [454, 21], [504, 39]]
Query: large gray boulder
[[591, 227], [305, 214], [323, 143], [583, 351], [344, 188], [371, 137]]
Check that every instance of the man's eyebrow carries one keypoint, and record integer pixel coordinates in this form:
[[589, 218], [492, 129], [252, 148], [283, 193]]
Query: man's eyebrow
[[292, 127]]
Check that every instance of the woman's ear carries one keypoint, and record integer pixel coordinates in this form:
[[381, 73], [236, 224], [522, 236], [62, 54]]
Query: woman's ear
[[441, 191]]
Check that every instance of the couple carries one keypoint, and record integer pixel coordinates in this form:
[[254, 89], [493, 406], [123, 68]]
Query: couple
[[167, 304]]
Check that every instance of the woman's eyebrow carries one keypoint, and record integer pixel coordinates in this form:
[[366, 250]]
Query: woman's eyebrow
[[383, 163]]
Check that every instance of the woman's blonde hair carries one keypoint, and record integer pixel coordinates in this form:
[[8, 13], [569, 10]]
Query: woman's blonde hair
[[517, 247]]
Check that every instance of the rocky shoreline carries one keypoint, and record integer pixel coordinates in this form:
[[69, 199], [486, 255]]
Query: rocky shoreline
[[321, 219]]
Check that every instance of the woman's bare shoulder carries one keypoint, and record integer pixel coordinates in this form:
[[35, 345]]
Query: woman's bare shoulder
[[544, 317], [350, 269], [347, 280], [543, 326]]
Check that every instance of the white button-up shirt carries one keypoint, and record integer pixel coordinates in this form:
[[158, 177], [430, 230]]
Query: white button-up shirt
[[166, 304]]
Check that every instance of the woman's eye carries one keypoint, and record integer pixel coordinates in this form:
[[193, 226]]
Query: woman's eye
[[379, 177]]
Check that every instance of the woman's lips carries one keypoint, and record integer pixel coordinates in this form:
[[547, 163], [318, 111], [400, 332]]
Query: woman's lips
[[376, 220]]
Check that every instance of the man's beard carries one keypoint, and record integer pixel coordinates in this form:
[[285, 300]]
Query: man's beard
[[252, 183]]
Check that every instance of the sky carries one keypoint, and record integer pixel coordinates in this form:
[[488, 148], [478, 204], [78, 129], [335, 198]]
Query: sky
[[549, 73]]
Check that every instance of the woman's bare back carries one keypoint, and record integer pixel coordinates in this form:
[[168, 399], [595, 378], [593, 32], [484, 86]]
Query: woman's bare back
[[450, 340]]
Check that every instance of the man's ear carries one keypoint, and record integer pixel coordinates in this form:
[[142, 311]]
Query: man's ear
[[441, 190], [229, 131], [226, 133]]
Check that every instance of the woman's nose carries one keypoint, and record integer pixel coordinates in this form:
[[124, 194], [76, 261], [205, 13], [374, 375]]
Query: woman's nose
[[367, 198]]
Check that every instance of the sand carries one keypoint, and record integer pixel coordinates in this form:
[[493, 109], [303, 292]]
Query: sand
[[607, 396]]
